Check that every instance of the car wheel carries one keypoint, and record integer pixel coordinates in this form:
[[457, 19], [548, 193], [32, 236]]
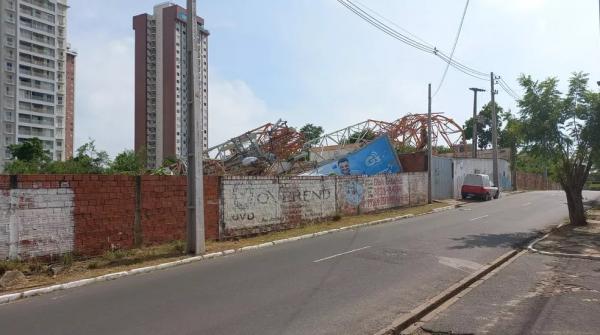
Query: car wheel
[[497, 195], [464, 196]]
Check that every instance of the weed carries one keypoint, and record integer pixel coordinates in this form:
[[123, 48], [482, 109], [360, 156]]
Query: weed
[[67, 259], [11, 266], [336, 218], [179, 247], [115, 255]]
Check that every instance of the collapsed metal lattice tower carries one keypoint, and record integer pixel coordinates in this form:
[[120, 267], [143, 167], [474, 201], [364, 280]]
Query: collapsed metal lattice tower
[[275, 148], [256, 150], [410, 131]]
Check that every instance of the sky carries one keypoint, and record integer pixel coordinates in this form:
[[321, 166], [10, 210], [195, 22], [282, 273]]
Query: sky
[[313, 61]]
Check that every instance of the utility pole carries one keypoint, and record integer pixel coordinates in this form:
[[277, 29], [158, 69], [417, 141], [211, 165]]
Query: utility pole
[[195, 173], [494, 132], [429, 149], [475, 118]]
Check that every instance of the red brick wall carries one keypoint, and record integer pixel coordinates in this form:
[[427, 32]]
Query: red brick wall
[[414, 162], [163, 214], [532, 181], [211, 206], [104, 213], [105, 208], [4, 182]]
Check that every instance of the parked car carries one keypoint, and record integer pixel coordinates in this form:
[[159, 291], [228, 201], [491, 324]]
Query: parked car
[[479, 186]]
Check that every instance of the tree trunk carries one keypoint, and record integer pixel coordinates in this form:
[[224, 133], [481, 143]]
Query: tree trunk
[[575, 203]]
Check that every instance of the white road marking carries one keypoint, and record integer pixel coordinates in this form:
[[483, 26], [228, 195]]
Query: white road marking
[[341, 254], [459, 264], [479, 218], [526, 204]]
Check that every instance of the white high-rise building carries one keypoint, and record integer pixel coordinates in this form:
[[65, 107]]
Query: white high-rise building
[[34, 72], [161, 82]]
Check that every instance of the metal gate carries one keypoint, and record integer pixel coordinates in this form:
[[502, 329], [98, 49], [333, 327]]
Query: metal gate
[[443, 185]]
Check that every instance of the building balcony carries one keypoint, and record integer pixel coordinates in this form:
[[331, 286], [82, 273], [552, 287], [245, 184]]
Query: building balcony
[[41, 5], [36, 15], [38, 27]]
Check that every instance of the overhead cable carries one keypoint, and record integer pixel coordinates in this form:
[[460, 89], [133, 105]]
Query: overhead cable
[[375, 19], [462, 20]]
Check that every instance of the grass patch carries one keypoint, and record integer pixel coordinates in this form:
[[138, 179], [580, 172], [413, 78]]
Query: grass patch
[[75, 268], [336, 222]]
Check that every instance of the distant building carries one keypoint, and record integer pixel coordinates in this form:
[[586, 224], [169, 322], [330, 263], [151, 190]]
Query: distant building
[[70, 110], [33, 78], [161, 82]]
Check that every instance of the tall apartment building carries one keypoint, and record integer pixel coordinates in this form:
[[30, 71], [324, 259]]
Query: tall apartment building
[[161, 82], [33, 75]]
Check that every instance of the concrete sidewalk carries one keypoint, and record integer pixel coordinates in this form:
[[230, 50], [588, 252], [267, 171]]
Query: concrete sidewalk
[[575, 241], [536, 294]]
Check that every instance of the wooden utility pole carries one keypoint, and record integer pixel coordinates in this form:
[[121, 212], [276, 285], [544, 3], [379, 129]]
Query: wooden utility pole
[[494, 132], [429, 149], [475, 118], [195, 174]]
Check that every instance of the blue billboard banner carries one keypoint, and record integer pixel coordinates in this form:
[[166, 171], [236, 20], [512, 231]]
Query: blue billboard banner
[[377, 157]]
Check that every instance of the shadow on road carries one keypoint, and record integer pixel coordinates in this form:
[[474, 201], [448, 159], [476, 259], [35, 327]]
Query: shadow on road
[[514, 240]]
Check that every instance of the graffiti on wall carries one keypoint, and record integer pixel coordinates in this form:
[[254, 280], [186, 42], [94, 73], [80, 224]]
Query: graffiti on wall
[[280, 203], [364, 195], [258, 202]]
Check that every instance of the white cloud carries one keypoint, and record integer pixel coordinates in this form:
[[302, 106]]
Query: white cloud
[[105, 106], [518, 5], [104, 93], [233, 109]]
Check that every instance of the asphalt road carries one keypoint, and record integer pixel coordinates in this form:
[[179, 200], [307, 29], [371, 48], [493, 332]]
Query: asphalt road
[[353, 282]]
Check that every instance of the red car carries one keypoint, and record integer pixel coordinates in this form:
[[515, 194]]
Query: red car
[[479, 186]]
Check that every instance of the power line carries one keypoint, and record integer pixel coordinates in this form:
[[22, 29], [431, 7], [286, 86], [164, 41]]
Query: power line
[[462, 20], [385, 28], [393, 24], [418, 44], [425, 47], [508, 89]]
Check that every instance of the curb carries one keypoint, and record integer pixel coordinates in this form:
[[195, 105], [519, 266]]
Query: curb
[[432, 304], [532, 248], [4, 299]]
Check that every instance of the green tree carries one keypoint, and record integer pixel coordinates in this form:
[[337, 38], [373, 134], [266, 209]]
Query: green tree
[[484, 125], [30, 150], [91, 159], [88, 160], [311, 132], [27, 157], [359, 136], [128, 162], [511, 137], [562, 129], [440, 149]]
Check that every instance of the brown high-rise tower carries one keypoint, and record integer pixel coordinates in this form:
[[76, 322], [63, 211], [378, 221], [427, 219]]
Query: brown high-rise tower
[[161, 82]]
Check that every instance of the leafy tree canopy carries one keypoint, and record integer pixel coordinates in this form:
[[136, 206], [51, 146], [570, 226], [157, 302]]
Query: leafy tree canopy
[[562, 130], [311, 132], [359, 136]]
